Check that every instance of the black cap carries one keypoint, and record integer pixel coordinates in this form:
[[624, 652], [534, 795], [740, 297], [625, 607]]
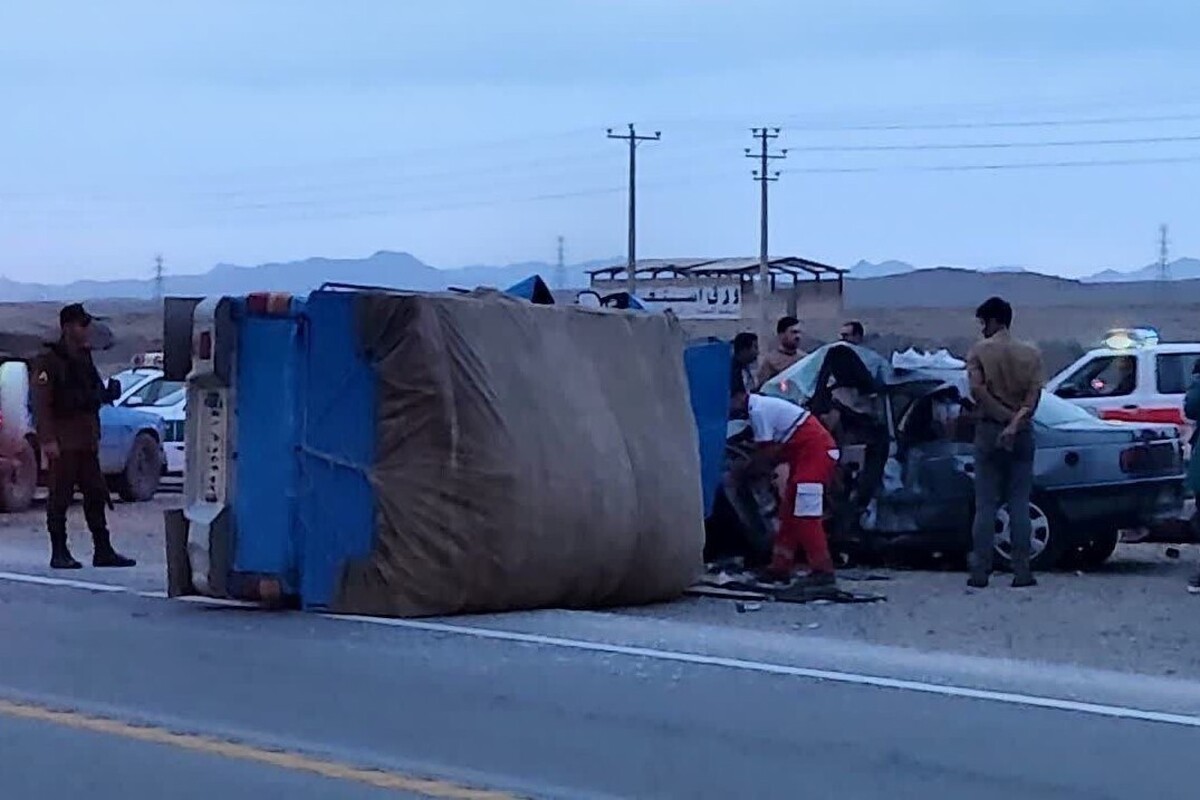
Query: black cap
[[74, 314]]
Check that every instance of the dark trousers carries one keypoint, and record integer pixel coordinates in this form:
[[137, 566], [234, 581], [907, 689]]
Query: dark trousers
[[1002, 476], [77, 468]]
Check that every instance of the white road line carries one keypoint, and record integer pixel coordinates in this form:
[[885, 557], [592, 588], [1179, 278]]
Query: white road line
[[40, 580], [201, 600], [1010, 698], [944, 690]]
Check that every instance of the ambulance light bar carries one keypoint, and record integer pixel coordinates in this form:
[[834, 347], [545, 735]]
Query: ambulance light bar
[[1130, 338]]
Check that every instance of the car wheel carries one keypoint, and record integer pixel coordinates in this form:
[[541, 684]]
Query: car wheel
[[1048, 541], [143, 470], [1093, 550], [16, 491]]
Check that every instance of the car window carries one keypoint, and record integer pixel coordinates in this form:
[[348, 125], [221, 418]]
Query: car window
[[1054, 411], [156, 393], [1175, 372], [1103, 376]]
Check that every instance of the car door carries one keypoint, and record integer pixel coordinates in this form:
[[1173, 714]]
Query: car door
[[1105, 383], [938, 462], [116, 438]]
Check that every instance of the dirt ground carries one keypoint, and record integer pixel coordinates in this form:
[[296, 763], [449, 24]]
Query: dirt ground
[[1133, 615]]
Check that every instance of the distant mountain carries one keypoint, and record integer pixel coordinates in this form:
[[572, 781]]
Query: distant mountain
[[405, 271], [1181, 269], [865, 270], [962, 288], [387, 269], [884, 269]]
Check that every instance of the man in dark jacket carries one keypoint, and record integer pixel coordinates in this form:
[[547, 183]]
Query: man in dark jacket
[[1191, 410], [67, 396]]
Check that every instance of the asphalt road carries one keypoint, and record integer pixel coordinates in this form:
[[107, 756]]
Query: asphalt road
[[117, 696]]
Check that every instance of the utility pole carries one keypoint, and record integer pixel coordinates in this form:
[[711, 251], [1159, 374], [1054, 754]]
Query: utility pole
[[634, 140], [560, 268], [158, 278], [1164, 266], [765, 177]]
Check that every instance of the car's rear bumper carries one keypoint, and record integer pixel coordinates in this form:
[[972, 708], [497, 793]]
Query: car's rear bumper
[[1129, 505]]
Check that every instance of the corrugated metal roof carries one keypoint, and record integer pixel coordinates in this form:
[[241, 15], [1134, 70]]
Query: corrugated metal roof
[[791, 265]]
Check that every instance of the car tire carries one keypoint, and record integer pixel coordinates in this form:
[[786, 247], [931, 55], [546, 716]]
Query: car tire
[[1050, 537], [1091, 551], [143, 470], [18, 486]]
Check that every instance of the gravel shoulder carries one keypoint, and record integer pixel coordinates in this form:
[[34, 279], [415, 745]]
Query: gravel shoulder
[[1133, 615]]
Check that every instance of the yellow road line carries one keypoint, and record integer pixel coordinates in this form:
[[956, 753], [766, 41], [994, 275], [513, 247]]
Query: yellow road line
[[426, 787]]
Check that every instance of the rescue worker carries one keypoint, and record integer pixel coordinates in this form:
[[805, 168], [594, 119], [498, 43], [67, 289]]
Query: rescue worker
[[67, 396], [853, 332], [785, 352], [745, 354], [1006, 385], [791, 435]]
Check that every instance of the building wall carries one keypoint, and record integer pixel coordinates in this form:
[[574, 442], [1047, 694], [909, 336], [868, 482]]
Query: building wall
[[816, 301]]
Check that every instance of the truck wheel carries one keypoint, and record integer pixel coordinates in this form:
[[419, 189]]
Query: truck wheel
[[16, 490], [143, 470]]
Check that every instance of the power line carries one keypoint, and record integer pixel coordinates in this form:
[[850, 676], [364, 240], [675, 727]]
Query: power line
[[1116, 162], [1035, 123], [873, 148], [634, 140], [765, 178]]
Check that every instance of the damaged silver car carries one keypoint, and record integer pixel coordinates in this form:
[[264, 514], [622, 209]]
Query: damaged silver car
[[906, 477]]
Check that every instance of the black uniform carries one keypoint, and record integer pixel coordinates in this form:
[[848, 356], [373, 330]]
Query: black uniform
[[67, 395]]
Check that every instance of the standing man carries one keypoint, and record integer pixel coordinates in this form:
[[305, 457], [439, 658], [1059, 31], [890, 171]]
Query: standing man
[[67, 396], [786, 351], [788, 434], [745, 354], [853, 332], [1191, 410], [1006, 383]]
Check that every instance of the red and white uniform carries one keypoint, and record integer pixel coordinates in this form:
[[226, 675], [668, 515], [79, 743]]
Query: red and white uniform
[[811, 456]]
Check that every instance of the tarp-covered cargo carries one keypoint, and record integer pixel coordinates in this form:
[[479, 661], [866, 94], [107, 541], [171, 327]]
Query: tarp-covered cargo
[[527, 456]]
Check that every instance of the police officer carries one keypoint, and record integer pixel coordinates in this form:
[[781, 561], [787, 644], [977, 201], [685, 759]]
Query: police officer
[[67, 395]]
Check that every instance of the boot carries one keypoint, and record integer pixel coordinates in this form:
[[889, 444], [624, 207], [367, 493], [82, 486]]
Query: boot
[[60, 554], [61, 558], [1024, 580], [106, 556]]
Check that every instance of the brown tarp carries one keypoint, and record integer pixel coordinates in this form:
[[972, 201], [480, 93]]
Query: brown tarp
[[527, 457]]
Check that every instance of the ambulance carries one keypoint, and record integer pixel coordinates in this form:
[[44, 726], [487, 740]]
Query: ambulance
[[1132, 377]]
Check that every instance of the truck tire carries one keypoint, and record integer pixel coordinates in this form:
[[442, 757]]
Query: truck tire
[[143, 470], [17, 488]]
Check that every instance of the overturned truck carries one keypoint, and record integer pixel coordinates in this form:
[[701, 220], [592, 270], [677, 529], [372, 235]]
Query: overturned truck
[[375, 452]]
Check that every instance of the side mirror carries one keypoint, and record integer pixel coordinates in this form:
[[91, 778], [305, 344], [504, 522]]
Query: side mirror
[[113, 389], [1067, 391]]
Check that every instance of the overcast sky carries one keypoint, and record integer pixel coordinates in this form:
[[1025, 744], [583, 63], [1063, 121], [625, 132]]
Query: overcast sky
[[473, 132]]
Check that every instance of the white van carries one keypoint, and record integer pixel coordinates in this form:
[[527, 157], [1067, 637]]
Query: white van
[[1133, 377]]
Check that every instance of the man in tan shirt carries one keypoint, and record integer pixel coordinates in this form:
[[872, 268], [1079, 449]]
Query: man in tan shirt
[[1006, 384], [785, 352]]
